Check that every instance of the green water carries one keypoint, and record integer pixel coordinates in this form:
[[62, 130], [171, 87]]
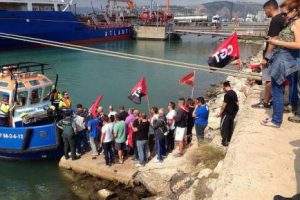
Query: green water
[[88, 75]]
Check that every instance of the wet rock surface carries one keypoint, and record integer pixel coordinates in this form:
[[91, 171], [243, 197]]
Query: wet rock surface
[[86, 187]]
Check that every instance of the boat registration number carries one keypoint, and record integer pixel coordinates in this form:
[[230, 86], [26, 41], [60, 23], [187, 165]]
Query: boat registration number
[[11, 136]]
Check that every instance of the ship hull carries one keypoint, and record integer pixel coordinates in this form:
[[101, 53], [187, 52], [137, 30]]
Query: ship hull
[[30, 143], [55, 26]]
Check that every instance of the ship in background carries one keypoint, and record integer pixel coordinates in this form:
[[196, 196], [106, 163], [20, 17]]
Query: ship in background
[[53, 20]]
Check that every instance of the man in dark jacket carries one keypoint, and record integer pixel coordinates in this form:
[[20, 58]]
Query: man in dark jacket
[[160, 129], [181, 122], [68, 135]]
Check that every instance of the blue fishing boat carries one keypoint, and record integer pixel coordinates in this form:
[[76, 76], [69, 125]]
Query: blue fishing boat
[[51, 20], [29, 130]]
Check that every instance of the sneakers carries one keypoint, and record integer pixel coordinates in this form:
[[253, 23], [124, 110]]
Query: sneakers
[[294, 119], [139, 165], [158, 161], [178, 155], [269, 123], [261, 105]]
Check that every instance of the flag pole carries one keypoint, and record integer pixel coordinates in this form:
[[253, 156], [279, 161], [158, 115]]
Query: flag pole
[[148, 102], [193, 88]]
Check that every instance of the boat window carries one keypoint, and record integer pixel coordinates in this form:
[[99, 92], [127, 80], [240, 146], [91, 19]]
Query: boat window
[[35, 96], [21, 85], [22, 98], [3, 94], [3, 84], [34, 82], [47, 93]]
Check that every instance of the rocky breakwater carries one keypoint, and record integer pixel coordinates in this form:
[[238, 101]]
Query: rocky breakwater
[[194, 175]]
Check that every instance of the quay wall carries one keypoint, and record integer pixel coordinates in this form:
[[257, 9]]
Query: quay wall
[[150, 32]]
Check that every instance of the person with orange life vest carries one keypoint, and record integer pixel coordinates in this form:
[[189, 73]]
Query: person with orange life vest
[[5, 110]]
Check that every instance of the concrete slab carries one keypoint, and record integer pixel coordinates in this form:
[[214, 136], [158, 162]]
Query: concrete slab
[[123, 173]]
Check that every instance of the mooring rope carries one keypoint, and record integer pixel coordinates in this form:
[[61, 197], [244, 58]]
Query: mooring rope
[[131, 56], [126, 54]]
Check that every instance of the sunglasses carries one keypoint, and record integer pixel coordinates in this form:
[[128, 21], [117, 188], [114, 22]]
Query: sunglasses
[[285, 14]]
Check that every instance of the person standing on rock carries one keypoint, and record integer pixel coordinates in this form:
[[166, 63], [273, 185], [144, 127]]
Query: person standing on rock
[[181, 121], [93, 125], [160, 130], [107, 139], [190, 124], [277, 23], [68, 135], [284, 63], [120, 137], [170, 143], [228, 112], [200, 114], [142, 136]]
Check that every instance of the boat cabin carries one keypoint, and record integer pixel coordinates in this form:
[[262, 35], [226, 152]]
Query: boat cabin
[[28, 90], [33, 5]]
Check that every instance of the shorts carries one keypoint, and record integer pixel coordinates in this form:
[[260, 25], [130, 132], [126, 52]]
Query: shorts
[[266, 77], [120, 146], [180, 134]]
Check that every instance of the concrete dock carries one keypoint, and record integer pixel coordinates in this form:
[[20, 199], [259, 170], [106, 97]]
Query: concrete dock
[[123, 173]]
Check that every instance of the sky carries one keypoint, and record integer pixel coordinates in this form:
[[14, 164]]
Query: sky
[[173, 2]]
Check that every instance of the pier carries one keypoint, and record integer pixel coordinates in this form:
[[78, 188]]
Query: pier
[[244, 30]]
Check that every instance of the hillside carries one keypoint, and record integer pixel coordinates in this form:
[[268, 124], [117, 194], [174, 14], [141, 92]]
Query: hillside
[[230, 9]]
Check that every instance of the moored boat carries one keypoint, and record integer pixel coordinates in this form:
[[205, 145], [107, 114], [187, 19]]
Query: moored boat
[[28, 131], [50, 20]]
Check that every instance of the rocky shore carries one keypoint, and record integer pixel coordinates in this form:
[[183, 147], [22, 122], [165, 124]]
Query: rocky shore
[[249, 168], [191, 176]]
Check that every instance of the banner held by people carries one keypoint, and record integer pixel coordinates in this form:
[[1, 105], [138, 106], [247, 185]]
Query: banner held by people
[[140, 90], [189, 79], [227, 52]]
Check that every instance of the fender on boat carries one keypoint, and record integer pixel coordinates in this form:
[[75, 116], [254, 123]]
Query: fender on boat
[[27, 139]]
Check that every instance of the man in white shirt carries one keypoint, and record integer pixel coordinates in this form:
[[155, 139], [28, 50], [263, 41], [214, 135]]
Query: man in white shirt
[[170, 143]]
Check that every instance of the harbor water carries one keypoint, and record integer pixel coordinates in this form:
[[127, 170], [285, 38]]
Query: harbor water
[[87, 75]]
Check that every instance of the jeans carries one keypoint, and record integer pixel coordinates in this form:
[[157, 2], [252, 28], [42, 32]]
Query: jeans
[[295, 92], [81, 141], [200, 132], [108, 152], [298, 94], [69, 143], [142, 147], [160, 146], [93, 146], [278, 102]]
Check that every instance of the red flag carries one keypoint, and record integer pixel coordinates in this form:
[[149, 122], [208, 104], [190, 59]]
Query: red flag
[[139, 90], [94, 106], [227, 52], [188, 79]]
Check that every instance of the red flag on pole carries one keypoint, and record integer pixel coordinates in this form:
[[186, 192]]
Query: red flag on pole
[[94, 106], [139, 90], [188, 79], [227, 52]]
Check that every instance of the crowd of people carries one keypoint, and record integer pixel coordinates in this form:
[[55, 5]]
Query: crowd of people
[[120, 134]]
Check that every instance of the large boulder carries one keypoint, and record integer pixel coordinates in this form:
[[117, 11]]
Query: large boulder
[[105, 194]]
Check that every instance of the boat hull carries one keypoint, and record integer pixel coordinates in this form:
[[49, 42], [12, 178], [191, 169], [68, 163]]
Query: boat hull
[[30, 143], [55, 26]]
